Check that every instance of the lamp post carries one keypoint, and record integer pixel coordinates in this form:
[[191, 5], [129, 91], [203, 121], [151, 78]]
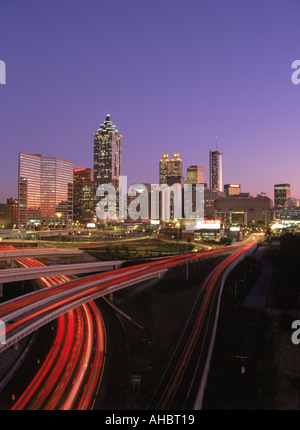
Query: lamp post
[[242, 358], [58, 214]]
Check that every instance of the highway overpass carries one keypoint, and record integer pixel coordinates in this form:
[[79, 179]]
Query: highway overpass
[[30, 273], [39, 253], [69, 299]]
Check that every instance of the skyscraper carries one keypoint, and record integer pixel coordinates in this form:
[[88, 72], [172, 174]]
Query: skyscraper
[[83, 194], [216, 170], [175, 166], [29, 188], [45, 190], [175, 171], [164, 168], [170, 171], [282, 192], [107, 154], [195, 175]]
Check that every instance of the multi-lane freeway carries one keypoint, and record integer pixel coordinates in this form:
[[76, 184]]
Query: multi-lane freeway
[[23, 314], [77, 355]]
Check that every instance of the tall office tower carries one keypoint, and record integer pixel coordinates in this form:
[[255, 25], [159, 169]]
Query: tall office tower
[[107, 155], [282, 192], [45, 190], [81, 178], [216, 170], [29, 184], [175, 171], [195, 175], [175, 166], [57, 190], [88, 206], [232, 189], [164, 168]]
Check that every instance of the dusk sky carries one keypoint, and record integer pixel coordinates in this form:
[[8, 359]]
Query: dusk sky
[[172, 74]]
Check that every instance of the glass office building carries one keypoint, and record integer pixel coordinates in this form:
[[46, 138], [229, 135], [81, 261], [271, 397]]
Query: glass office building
[[30, 167], [107, 154], [83, 194], [216, 170], [45, 190]]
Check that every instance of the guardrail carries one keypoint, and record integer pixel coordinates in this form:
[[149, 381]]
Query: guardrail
[[202, 385], [26, 274], [54, 314]]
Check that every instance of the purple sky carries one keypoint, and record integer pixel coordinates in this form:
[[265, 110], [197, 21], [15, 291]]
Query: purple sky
[[172, 74]]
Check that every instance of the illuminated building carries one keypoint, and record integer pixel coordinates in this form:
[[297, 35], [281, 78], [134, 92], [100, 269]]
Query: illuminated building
[[175, 171], [195, 175], [107, 155], [232, 189], [243, 210], [5, 218], [290, 215], [216, 170], [30, 171], [175, 165], [282, 192], [210, 195], [83, 194], [45, 190], [164, 168], [170, 171], [88, 206]]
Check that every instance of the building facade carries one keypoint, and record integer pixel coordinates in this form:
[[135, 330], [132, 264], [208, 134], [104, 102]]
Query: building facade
[[195, 175], [238, 210], [107, 155], [45, 191], [210, 196], [216, 170], [164, 168], [232, 189], [282, 192], [83, 194], [170, 171]]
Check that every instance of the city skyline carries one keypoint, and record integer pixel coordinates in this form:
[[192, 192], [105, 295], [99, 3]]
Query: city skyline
[[207, 70], [149, 207]]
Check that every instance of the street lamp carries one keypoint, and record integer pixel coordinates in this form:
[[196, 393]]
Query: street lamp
[[242, 358], [58, 214]]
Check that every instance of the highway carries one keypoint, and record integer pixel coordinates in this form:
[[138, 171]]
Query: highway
[[71, 373], [35, 272], [13, 253], [179, 383], [22, 312]]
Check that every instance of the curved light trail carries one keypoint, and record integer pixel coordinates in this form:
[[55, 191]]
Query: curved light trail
[[76, 338], [76, 398]]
